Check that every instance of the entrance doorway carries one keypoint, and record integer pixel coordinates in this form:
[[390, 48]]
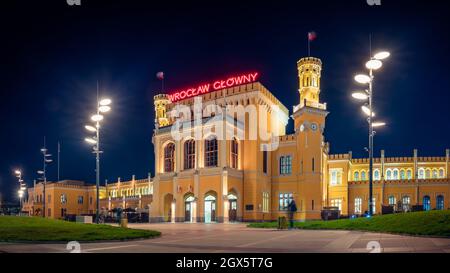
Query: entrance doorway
[[232, 211], [210, 209], [188, 208]]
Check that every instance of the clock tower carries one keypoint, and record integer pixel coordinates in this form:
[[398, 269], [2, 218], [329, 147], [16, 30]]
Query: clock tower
[[309, 117]]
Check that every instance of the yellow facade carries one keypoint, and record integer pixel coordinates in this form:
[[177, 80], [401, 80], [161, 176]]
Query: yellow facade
[[208, 178]]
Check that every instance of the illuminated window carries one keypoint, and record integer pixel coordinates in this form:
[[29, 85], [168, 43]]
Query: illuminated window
[[285, 165], [435, 174], [389, 175], [80, 200], [234, 153], [440, 202], [363, 176], [428, 174], [284, 200], [395, 174], [266, 199], [169, 158], [374, 205], [441, 173], [358, 205], [409, 174], [376, 175], [426, 203], [337, 203], [392, 200], [189, 154], [63, 198], [336, 177], [211, 153], [421, 173], [402, 175], [356, 176], [406, 201]]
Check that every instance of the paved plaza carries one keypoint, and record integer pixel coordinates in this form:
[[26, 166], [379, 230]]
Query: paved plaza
[[237, 238]]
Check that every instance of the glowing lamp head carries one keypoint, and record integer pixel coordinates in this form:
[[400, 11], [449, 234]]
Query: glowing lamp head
[[104, 108], [382, 55], [363, 79], [18, 172], [378, 124], [90, 140], [360, 96], [90, 128], [366, 111], [105, 102], [97, 118], [374, 64]]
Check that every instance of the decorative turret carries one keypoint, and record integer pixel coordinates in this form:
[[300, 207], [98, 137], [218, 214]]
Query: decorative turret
[[309, 73], [161, 101]]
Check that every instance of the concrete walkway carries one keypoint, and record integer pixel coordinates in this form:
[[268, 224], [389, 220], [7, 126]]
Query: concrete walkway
[[235, 238]]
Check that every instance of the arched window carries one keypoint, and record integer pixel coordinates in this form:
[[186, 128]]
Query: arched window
[[426, 203], [409, 174], [169, 158], [211, 153], [440, 202], [435, 173], [376, 175], [402, 175], [356, 176], [421, 174], [441, 173], [363, 176], [189, 154], [395, 174], [428, 174], [389, 175], [234, 153]]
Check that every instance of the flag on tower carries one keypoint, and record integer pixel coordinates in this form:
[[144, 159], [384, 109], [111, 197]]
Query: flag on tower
[[160, 75], [312, 36]]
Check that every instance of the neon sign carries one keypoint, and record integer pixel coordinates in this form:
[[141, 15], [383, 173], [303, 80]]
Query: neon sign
[[213, 86]]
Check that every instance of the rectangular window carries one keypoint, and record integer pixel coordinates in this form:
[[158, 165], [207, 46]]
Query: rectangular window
[[90, 200], [285, 165], [313, 163], [234, 154], [265, 162], [336, 177], [284, 200], [80, 199], [337, 203], [265, 202], [358, 205]]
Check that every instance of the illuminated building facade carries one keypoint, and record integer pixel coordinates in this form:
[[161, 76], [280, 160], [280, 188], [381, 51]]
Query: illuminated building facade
[[210, 173], [214, 179]]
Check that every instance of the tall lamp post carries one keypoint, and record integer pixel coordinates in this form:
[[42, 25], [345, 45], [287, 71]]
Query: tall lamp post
[[22, 186], [46, 160], [373, 64], [102, 107]]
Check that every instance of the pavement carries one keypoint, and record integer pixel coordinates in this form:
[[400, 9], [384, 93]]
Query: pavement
[[237, 238]]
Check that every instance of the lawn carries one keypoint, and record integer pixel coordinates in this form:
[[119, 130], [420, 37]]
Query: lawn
[[37, 229], [430, 223]]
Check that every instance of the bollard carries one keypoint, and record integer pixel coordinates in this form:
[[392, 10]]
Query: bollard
[[124, 223]]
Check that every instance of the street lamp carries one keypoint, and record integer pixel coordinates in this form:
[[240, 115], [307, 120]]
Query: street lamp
[[373, 64], [46, 160], [103, 106], [22, 186]]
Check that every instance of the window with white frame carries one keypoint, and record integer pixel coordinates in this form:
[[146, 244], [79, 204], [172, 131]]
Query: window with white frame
[[402, 175], [427, 174], [376, 175], [363, 176], [421, 173], [406, 201], [409, 174], [441, 173], [358, 205], [336, 177], [435, 174], [389, 175], [356, 176], [284, 200], [374, 205], [395, 174]]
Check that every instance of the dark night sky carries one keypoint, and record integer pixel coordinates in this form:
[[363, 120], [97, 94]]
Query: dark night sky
[[52, 55]]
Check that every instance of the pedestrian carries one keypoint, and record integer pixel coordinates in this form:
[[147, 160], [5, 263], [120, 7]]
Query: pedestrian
[[292, 209]]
